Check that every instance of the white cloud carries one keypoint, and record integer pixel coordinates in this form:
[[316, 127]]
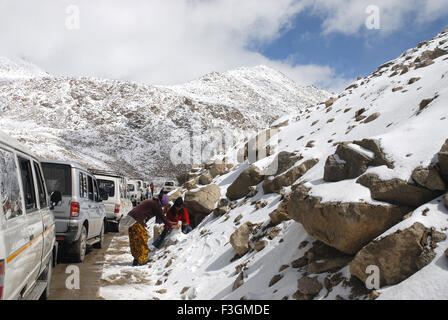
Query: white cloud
[[167, 42], [349, 16], [154, 41]]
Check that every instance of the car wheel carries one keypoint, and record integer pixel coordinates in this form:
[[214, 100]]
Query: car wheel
[[47, 277], [106, 227], [99, 244], [80, 246]]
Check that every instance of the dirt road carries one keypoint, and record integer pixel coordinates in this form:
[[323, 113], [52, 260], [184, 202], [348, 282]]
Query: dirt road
[[90, 272]]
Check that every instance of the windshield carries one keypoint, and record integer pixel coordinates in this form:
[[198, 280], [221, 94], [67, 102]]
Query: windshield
[[169, 184], [108, 186], [58, 177], [131, 187]]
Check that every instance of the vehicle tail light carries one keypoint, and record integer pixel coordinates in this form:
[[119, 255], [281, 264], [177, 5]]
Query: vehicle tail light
[[117, 209], [2, 277], [74, 210]]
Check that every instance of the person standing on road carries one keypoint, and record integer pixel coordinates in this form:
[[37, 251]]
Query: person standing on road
[[152, 189], [136, 221]]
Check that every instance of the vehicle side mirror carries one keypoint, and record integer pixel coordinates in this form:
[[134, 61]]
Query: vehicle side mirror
[[55, 199]]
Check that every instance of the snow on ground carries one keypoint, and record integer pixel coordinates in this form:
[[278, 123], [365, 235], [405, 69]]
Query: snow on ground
[[202, 265]]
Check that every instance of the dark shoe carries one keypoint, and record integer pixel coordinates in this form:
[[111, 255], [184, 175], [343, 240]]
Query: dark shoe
[[134, 263]]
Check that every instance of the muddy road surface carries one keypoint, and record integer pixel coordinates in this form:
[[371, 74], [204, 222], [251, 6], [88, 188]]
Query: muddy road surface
[[90, 273]]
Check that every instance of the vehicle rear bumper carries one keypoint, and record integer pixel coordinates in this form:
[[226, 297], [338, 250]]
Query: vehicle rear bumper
[[71, 235]]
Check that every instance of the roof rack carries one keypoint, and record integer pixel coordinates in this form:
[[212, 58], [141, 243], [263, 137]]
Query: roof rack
[[106, 173]]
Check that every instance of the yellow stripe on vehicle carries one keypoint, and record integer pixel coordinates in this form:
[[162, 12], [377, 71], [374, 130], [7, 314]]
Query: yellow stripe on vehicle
[[29, 244]]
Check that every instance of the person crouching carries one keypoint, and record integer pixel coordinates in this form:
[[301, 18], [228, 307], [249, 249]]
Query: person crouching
[[136, 222], [175, 214]]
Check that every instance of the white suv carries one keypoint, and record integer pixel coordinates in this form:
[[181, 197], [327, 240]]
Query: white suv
[[118, 203], [27, 227], [136, 191], [169, 186]]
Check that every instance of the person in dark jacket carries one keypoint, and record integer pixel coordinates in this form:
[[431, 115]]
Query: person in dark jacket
[[138, 235], [175, 214]]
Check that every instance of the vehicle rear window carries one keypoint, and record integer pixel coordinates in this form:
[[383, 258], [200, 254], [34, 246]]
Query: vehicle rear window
[[169, 184], [10, 194], [58, 177], [107, 186], [131, 187]]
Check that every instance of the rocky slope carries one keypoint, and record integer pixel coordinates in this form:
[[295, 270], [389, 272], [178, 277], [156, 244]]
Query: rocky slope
[[359, 189], [133, 127]]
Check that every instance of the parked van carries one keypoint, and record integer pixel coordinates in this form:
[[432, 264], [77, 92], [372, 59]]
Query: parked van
[[27, 227], [169, 186], [119, 203], [136, 191], [80, 215]]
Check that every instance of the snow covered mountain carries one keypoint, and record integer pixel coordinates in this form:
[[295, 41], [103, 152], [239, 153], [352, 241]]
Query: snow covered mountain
[[362, 182], [132, 127], [11, 70]]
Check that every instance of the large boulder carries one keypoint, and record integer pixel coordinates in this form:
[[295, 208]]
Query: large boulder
[[428, 178], [240, 239], [443, 160], [287, 179], [352, 159], [398, 255], [200, 203], [397, 191], [344, 226], [241, 186], [346, 163]]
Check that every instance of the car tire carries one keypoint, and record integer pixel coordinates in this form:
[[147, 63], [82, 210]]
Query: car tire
[[115, 227], [47, 274], [80, 246], [99, 244]]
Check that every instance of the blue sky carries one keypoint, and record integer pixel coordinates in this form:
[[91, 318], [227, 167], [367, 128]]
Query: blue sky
[[349, 55]]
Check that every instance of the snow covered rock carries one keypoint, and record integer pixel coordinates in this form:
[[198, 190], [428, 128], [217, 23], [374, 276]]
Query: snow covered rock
[[310, 287], [373, 145], [344, 226], [346, 163], [396, 191], [280, 214], [240, 239], [241, 186], [398, 255], [443, 159], [428, 178], [283, 162], [217, 169], [275, 185], [205, 178]]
